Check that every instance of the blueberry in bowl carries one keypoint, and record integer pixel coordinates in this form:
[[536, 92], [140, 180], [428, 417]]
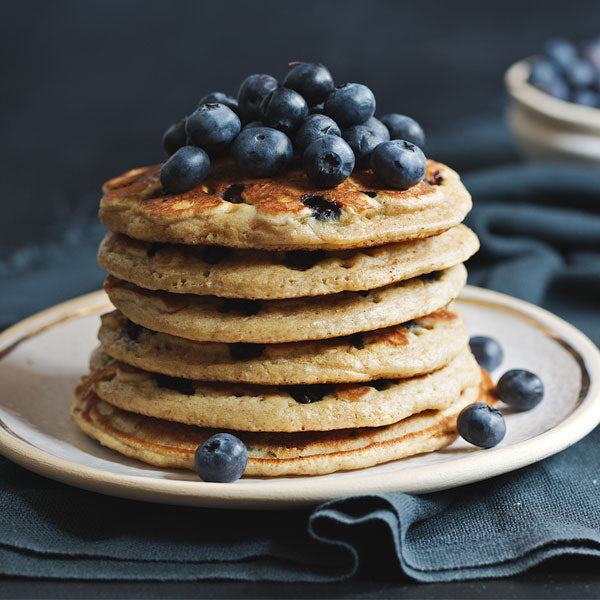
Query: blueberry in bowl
[[555, 110]]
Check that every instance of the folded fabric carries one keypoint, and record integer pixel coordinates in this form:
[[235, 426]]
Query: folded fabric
[[540, 234]]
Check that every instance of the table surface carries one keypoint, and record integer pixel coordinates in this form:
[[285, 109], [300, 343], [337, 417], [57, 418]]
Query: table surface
[[564, 577]]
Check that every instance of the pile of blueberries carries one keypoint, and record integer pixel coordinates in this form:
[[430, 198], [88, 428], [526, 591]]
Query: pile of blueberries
[[223, 457], [569, 73], [333, 129]]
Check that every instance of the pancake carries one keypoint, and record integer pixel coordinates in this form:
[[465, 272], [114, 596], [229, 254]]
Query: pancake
[[259, 274], [285, 212], [207, 318], [249, 407], [417, 347], [167, 444]]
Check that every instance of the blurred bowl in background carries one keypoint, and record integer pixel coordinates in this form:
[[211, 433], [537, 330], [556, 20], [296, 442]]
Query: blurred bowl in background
[[545, 128]]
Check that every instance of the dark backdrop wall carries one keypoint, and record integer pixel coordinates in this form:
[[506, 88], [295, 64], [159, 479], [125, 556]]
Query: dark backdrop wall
[[87, 87]]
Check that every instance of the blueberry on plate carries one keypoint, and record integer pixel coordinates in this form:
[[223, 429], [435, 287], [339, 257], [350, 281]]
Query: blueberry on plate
[[284, 109], [520, 389], [174, 137], [561, 52], [398, 163], [350, 104], [481, 425], [221, 98], [262, 152], [378, 128], [314, 127], [186, 169], [328, 161], [222, 458], [311, 80], [363, 141], [252, 91], [402, 127], [213, 127], [487, 351]]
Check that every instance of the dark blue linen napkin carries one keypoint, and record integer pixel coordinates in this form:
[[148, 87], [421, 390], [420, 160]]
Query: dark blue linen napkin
[[540, 233]]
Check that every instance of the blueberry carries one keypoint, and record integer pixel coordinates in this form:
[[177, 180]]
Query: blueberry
[[592, 52], [184, 170], [311, 80], [557, 89], [543, 72], [174, 137], [222, 458], [212, 127], [321, 208], [243, 351], [314, 127], [252, 91], [487, 351], [520, 389], [177, 384], [284, 109], [317, 109], [262, 152], [302, 260], [481, 425], [253, 124], [240, 305], [378, 128], [561, 52], [350, 104], [363, 141], [213, 255], [221, 98], [307, 394], [132, 330], [586, 98], [398, 163], [581, 74], [328, 161], [402, 127]]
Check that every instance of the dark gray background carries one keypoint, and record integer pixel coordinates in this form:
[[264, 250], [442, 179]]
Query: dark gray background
[[87, 87]]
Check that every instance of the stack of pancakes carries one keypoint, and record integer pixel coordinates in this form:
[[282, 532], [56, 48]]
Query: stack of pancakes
[[318, 326]]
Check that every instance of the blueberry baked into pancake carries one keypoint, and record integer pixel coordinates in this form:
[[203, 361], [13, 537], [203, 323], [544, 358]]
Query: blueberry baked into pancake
[[284, 287]]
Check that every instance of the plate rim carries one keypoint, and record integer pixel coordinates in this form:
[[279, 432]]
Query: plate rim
[[302, 491]]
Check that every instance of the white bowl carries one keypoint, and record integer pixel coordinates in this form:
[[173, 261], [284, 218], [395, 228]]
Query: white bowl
[[546, 128]]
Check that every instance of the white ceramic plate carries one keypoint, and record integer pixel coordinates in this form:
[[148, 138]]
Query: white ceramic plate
[[42, 358]]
